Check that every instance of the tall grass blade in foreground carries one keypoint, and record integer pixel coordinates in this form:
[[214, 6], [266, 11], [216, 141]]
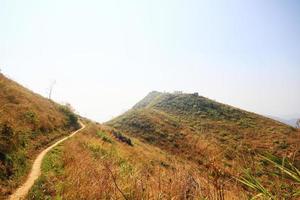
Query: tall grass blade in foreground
[[253, 183], [285, 166]]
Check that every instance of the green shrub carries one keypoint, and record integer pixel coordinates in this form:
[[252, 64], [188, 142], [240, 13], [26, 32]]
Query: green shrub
[[31, 117], [122, 138], [8, 139], [71, 116], [104, 137]]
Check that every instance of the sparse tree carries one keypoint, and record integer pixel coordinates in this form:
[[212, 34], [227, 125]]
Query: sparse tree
[[51, 89]]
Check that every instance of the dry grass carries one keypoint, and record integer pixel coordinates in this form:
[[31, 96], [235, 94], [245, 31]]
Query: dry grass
[[24, 109], [177, 152], [33, 122], [216, 137], [95, 169]]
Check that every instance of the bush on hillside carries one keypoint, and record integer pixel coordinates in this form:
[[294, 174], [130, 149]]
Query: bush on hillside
[[8, 139], [8, 144], [71, 116], [32, 118], [104, 137], [122, 138]]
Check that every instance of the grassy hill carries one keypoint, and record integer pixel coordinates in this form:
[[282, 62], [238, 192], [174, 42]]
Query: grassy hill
[[170, 146], [28, 122], [219, 138]]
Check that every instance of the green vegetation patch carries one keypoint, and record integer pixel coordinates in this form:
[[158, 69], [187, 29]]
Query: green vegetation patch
[[13, 160], [52, 169], [111, 154], [31, 117], [104, 137], [71, 116]]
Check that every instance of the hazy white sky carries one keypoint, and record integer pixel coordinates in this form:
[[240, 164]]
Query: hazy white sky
[[107, 55]]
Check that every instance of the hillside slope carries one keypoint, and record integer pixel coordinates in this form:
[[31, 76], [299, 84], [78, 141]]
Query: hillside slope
[[169, 146], [215, 136], [103, 163], [28, 122]]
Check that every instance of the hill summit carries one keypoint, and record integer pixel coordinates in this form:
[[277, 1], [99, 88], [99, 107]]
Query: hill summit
[[158, 113]]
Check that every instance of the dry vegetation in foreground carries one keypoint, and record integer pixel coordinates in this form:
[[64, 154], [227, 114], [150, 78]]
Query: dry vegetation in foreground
[[28, 123], [97, 165]]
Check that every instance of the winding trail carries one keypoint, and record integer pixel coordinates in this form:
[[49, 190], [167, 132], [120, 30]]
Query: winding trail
[[35, 172]]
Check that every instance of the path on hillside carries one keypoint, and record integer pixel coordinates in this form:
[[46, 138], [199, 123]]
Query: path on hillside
[[35, 172]]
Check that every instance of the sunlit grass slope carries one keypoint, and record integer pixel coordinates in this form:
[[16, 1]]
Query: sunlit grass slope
[[170, 146], [28, 123], [217, 137], [98, 164]]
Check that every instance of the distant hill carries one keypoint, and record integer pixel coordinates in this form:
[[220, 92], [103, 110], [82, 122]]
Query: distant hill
[[28, 123], [211, 134], [287, 120]]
